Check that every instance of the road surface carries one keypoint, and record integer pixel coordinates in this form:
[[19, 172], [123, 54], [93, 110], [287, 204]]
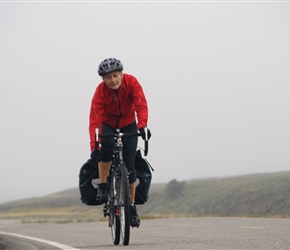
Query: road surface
[[175, 233]]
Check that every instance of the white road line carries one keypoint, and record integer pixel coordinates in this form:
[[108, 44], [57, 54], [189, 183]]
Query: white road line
[[52, 243]]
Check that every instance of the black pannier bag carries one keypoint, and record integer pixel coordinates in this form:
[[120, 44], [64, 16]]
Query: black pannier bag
[[89, 179], [88, 182], [144, 176]]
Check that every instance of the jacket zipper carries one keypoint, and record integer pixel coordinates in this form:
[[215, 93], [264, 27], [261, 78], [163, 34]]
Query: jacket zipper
[[119, 106]]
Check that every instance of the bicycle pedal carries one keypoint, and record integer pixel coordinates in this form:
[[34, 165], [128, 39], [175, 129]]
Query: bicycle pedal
[[105, 213]]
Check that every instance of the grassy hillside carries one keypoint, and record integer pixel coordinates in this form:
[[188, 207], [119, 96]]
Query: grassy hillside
[[259, 195], [250, 195]]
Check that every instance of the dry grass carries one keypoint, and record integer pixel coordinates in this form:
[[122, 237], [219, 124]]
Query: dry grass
[[75, 214]]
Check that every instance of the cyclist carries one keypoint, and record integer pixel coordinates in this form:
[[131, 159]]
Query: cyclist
[[117, 102]]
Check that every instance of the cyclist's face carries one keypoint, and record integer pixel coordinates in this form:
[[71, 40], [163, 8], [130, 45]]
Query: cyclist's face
[[113, 80]]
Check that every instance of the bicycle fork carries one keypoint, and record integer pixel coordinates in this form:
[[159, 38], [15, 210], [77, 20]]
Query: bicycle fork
[[111, 207]]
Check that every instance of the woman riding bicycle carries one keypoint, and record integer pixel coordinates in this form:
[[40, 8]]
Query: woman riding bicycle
[[117, 101]]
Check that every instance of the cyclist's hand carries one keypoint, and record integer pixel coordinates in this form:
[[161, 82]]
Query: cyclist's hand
[[143, 133], [95, 155]]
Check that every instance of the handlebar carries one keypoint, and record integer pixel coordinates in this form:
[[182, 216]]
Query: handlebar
[[119, 134]]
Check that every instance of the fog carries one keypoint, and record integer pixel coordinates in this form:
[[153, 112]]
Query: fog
[[215, 74]]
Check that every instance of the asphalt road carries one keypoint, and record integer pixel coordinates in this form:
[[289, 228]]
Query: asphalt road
[[179, 233]]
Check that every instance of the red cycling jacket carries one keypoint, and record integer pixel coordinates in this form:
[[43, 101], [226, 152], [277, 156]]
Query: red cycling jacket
[[118, 108]]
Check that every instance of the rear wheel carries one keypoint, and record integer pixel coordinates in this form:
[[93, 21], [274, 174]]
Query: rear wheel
[[124, 204]]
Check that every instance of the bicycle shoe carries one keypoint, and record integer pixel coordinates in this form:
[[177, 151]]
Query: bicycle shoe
[[101, 196], [134, 220]]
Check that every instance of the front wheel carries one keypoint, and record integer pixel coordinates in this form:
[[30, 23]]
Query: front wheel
[[114, 214], [124, 204], [115, 229]]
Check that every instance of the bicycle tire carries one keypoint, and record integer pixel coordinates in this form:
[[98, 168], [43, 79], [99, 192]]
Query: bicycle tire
[[115, 229], [114, 215], [124, 204]]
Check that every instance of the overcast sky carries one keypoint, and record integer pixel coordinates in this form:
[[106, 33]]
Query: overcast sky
[[216, 76]]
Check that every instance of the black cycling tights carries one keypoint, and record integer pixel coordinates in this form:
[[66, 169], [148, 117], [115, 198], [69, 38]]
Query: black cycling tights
[[129, 147]]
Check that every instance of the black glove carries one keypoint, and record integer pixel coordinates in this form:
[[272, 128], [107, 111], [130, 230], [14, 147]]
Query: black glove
[[95, 155], [143, 134]]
